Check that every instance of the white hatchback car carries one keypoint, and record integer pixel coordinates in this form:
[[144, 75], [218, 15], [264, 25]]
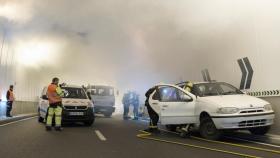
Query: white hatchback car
[[211, 107], [77, 107]]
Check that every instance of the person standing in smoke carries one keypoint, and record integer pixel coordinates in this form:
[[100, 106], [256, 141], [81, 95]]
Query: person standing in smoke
[[126, 103]]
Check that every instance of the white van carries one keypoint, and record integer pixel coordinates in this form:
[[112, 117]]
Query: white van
[[212, 107], [77, 107], [103, 98]]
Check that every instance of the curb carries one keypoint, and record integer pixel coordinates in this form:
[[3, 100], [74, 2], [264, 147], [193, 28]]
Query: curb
[[17, 118]]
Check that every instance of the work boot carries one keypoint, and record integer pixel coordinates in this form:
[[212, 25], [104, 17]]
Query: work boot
[[149, 130], [156, 131], [58, 128], [48, 128]]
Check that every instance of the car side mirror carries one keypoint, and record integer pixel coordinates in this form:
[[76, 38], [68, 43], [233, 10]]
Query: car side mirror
[[89, 96], [45, 97]]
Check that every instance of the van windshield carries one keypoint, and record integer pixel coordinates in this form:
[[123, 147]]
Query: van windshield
[[74, 93], [215, 89], [102, 91]]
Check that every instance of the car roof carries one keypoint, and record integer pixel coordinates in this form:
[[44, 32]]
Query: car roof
[[72, 86], [101, 86], [201, 82]]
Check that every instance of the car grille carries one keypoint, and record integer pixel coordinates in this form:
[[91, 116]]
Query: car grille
[[75, 107], [251, 111], [252, 123]]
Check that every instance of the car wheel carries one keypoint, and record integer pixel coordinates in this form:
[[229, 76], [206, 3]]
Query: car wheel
[[171, 128], [89, 122], [108, 114], [260, 130], [208, 130]]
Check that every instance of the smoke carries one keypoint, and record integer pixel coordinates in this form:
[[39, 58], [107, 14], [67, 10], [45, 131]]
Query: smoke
[[132, 44]]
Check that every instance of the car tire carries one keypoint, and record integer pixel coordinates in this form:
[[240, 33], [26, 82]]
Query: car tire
[[260, 130], [171, 128], [108, 114], [208, 130], [89, 123]]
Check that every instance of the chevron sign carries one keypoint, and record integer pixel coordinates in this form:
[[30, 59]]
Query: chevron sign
[[247, 73]]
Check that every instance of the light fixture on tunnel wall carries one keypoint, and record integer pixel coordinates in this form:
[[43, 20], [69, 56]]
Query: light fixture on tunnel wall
[[34, 53]]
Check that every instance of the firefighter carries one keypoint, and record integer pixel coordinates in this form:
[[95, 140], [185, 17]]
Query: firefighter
[[126, 103], [10, 100], [135, 105], [154, 117], [188, 87], [55, 95]]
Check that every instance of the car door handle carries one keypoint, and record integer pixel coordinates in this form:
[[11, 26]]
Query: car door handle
[[155, 103], [165, 106]]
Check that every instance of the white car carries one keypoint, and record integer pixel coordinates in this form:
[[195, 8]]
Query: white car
[[77, 107], [211, 107]]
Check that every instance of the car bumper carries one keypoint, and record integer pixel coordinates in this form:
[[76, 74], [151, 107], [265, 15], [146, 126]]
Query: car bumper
[[243, 122], [67, 115], [104, 109]]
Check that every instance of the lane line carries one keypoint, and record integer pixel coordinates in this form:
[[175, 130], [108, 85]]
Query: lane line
[[6, 124], [100, 135], [274, 136], [147, 135], [250, 141], [255, 142]]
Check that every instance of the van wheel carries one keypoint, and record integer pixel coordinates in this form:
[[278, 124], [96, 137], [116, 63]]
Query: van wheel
[[89, 123], [171, 128], [108, 114], [208, 130], [260, 130]]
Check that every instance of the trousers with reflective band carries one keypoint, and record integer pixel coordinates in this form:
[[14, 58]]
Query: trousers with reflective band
[[57, 111]]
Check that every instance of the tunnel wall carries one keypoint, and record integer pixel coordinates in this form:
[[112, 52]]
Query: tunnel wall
[[275, 102], [20, 107]]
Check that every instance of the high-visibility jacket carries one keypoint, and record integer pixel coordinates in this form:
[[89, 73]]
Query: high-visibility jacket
[[54, 94], [188, 87], [10, 96]]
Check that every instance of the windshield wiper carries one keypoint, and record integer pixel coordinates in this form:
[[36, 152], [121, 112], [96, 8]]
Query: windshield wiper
[[230, 92]]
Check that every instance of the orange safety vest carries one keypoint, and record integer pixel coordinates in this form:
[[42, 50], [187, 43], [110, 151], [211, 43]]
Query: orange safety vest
[[52, 94], [12, 96]]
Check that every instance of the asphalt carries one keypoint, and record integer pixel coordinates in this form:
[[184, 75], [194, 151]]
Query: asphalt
[[28, 139]]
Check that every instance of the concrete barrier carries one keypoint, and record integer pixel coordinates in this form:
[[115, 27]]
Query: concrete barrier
[[275, 102], [19, 107]]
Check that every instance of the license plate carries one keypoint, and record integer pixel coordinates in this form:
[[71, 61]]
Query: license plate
[[103, 110], [76, 113]]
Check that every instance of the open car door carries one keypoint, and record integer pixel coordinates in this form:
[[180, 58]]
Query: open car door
[[174, 105]]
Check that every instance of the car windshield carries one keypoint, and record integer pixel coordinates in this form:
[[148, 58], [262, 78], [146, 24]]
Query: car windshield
[[74, 93], [102, 91], [215, 89]]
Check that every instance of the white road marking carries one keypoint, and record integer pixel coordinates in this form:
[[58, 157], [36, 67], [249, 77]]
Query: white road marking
[[17, 121], [274, 136], [250, 141], [100, 135]]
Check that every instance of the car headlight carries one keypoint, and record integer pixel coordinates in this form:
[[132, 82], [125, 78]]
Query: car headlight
[[227, 110], [267, 107], [90, 104]]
